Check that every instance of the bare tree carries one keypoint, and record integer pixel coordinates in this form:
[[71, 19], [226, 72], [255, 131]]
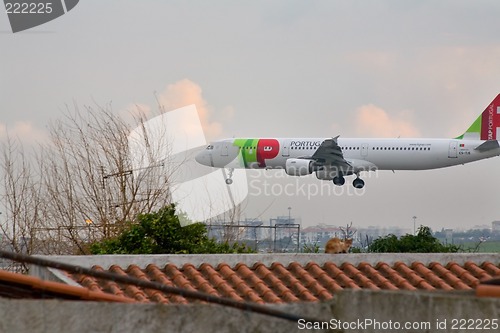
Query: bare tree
[[90, 187], [348, 232], [81, 186], [20, 197]]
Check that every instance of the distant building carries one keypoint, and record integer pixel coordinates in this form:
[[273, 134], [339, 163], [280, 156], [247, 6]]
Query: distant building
[[320, 233], [285, 220], [448, 236], [495, 227], [248, 229], [252, 229], [375, 232]]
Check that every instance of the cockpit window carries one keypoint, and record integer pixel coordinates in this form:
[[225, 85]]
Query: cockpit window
[[210, 147]]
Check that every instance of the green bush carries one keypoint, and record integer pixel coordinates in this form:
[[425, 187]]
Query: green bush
[[422, 242], [161, 232]]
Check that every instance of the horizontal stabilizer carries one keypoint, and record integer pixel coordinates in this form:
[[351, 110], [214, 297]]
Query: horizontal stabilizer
[[488, 145]]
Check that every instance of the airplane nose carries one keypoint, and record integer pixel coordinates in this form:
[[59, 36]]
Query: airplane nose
[[201, 158]]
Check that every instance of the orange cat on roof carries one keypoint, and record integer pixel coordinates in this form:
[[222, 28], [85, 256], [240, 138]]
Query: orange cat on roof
[[336, 245]]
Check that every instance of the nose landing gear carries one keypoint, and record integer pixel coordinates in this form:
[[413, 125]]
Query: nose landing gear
[[229, 179]]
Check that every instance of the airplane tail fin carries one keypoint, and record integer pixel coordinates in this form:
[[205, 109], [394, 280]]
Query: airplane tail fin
[[487, 125]]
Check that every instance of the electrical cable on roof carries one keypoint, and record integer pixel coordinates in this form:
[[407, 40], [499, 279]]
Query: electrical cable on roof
[[262, 309]]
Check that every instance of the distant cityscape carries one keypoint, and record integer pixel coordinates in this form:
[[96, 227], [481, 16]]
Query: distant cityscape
[[286, 234]]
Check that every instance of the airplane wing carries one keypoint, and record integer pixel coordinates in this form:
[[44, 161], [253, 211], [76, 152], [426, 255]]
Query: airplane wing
[[330, 154]]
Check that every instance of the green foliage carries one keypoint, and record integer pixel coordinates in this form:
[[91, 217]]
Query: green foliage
[[423, 242], [161, 232], [310, 248]]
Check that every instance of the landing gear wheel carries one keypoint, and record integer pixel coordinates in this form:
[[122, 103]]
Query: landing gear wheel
[[339, 181], [358, 183], [229, 180]]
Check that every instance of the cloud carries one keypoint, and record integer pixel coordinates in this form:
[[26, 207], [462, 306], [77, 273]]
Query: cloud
[[373, 60], [186, 92], [374, 121], [136, 111], [25, 131]]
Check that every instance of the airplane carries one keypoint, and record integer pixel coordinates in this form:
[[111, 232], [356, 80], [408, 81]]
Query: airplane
[[334, 158]]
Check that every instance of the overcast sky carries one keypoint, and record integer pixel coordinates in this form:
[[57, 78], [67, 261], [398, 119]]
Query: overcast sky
[[282, 69]]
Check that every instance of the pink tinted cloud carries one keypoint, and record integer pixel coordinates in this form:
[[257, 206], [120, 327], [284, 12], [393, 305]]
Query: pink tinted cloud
[[25, 131], [186, 92], [373, 121]]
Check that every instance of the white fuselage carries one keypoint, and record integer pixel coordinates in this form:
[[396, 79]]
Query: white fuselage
[[385, 154], [334, 158]]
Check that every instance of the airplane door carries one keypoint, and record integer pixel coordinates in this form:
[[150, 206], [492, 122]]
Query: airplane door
[[452, 151], [225, 148], [364, 149], [285, 151]]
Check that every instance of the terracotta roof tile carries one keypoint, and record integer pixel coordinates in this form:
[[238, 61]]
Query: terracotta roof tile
[[464, 275], [428, 275], [309, 281], [294, 285], [415, 279], [489, 288], [130, 290], [477, 271], [357, 275], [484, 290], [223, 286], [339, 275], [15, 285], [158, 276], [394, 276], [323, 278], [448, 276], [155, 295], [238, 283], [199, 282], [376, 277], [491, 269], [109, 286], [274, 283], [294, 281], [257, 284]]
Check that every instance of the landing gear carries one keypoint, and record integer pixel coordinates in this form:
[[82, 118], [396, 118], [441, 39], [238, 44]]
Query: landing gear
[[358, 183], [339, 180], [229, 180]]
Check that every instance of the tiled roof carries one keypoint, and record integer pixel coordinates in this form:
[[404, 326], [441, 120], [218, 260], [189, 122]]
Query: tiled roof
[[15, 285], [293, 282]]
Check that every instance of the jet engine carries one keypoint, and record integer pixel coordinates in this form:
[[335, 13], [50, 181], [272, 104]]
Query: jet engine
[[298, 167]]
